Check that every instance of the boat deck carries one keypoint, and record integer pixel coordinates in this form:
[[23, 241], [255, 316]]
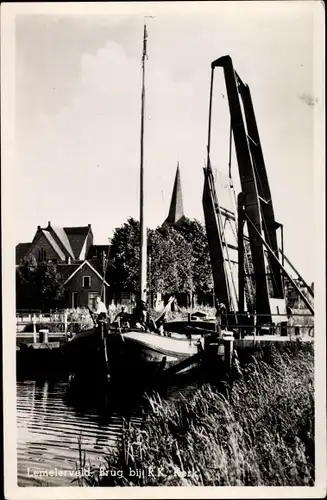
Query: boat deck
[[163, 343]]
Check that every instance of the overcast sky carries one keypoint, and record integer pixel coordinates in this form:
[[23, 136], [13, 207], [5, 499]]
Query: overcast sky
[[78, 84]]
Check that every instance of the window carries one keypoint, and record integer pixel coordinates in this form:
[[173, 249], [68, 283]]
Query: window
[[86, 281], [74, 299], [92, 296], [42, 255]]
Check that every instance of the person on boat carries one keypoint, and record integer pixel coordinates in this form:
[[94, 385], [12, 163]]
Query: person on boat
[[100, 315], [221, 317], [100, 308], [159, 326], [140, 315], [122, 319], [111, 312]]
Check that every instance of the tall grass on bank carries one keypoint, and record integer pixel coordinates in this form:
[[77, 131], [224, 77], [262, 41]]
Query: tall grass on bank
[[260, 431]]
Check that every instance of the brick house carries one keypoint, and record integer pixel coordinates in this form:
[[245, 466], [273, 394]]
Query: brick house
[[58, 244], [82, 284], [79, 261]]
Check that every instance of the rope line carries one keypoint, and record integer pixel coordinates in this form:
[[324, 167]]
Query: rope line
[[105, 270]]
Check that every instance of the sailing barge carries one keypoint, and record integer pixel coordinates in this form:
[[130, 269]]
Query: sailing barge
[[185, 346]]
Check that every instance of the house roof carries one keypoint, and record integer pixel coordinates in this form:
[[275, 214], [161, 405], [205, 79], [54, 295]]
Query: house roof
[[53, 243], [21, 251], [96, 251], [67, 269], [78, 267], [60, 232], [66, 242], [76, 237]]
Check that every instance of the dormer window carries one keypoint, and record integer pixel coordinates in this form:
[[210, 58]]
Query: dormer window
[[86, 281]]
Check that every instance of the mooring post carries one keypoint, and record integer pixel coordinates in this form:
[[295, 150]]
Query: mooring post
[[65, 323], [241, 270], [289, 328], [44, 336], [34, 328], [255, 327], [228, 352]]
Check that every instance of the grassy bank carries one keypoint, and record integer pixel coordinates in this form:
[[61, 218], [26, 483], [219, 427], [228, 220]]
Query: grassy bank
[[258, 430]]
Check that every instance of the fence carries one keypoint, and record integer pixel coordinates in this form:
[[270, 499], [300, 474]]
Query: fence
[[22, 312], [59, 324], [45, 326]]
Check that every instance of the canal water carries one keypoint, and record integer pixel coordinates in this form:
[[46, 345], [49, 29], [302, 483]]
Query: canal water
[[50, 426]]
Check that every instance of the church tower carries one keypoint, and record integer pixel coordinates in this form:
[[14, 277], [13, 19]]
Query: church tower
[[176, 211]]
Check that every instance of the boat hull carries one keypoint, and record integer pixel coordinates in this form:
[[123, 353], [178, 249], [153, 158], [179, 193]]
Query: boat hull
[[84, 356], [181, 326], [146, 359], [158, 351], [133, 357]]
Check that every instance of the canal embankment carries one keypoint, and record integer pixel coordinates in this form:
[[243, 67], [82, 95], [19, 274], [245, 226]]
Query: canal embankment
[[255, 428]]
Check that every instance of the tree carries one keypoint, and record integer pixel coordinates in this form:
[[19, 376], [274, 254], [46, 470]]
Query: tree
[[195, 234], [49, 284], [38, 285], [169, 259], [126, 257], [25, 284]]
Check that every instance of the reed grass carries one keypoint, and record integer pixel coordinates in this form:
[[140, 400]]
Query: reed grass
[[257, 430]]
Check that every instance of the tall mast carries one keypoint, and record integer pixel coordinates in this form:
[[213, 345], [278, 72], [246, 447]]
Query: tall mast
[[143, 240]]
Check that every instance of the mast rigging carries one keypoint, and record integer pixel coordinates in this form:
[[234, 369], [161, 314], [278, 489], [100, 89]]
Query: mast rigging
[[143, 236]]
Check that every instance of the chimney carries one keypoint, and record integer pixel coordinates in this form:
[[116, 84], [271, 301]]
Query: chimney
[[89, 226], [38, 228], [49, 224]]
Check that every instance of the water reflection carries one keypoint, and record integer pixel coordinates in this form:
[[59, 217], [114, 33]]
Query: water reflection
[[51, 421], [49, 426]]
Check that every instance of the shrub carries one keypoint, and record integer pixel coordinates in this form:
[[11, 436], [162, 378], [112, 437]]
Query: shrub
[[81, 318]]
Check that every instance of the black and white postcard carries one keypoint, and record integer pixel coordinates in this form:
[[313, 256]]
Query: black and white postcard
[[163, 256]]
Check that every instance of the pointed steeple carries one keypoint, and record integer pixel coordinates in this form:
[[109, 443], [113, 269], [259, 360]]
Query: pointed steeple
[[176, 212]]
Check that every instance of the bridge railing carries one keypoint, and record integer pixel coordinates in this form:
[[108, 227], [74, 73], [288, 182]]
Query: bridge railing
[[296, 323]]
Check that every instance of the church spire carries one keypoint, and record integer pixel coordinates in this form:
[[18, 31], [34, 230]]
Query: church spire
[[176, 212]]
